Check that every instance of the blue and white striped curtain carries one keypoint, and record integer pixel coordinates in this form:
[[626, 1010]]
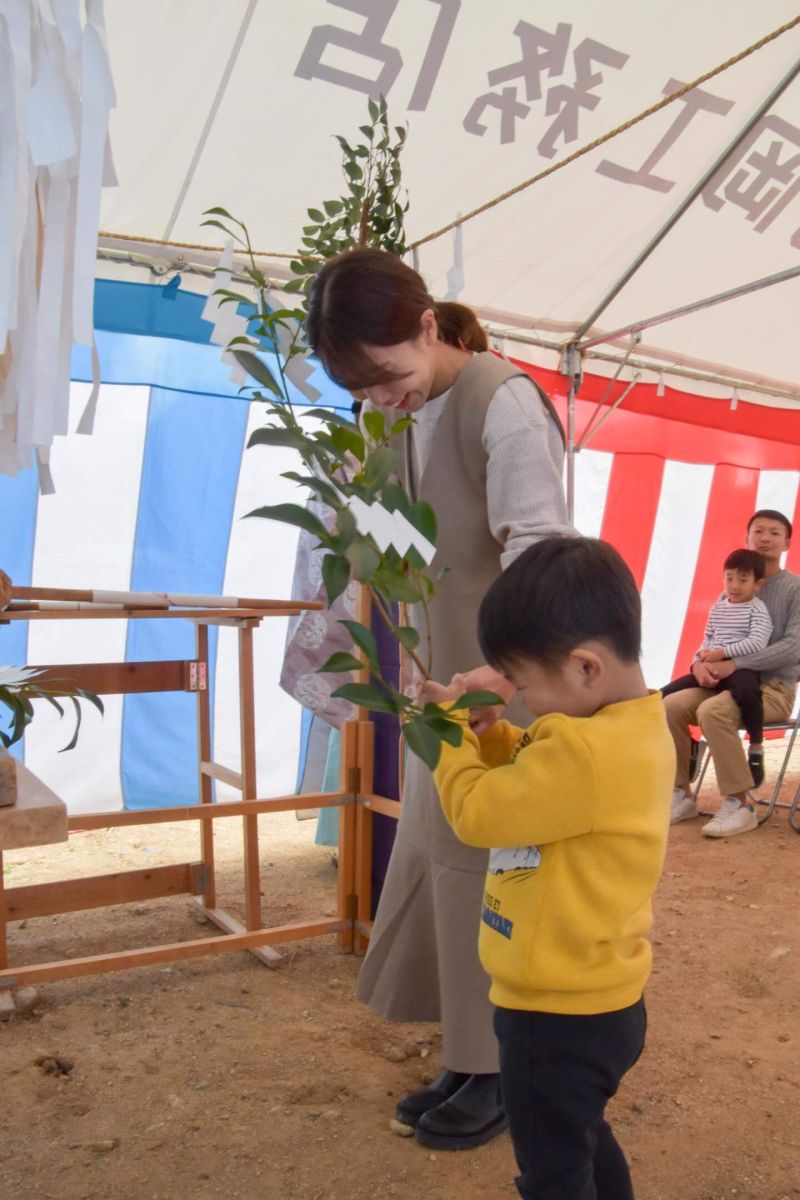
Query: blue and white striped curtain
[[153, 501]]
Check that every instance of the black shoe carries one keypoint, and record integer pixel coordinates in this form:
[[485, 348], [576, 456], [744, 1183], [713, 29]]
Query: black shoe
[[471, 1117], [755, 761], [411, 1107]]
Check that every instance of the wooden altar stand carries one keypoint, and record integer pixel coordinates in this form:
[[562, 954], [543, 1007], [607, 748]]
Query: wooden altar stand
[[351, 924]]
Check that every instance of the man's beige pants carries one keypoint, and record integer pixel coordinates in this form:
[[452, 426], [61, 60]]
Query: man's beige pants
[[717, 714]]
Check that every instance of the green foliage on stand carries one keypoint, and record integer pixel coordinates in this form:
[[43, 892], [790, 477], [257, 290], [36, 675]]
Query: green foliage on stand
[[342, 463]]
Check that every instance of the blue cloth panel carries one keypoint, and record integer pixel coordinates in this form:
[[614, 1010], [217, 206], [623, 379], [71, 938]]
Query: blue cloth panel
[[190, 472]]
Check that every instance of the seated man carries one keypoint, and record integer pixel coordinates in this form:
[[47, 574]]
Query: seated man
[[717, 714]]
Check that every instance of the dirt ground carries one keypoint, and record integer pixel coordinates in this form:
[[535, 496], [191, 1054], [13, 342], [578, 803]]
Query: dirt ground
[[220, 1077]]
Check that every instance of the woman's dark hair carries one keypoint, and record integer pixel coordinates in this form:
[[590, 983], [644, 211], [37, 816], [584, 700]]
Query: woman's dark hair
[[364, 297], [559, 593], [771, 514], [458, 326], [746, 560]]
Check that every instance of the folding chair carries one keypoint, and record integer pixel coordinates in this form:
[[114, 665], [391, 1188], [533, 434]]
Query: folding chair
[[792, 723]]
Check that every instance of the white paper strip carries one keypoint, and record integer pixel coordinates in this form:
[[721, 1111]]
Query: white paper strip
[[55, 94]]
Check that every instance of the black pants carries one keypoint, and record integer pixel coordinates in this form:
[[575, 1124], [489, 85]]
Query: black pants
[[744, 686], [557, 1074]]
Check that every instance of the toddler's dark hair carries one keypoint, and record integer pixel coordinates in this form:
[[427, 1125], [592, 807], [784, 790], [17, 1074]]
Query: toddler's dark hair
[[746, 560], [559, 593]]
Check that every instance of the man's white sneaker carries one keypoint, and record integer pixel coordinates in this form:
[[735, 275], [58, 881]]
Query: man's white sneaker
[[682, 807], [732, 818]]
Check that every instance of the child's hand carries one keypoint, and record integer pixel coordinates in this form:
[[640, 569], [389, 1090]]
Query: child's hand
[[715, 654], [439, 693], [486, 678]]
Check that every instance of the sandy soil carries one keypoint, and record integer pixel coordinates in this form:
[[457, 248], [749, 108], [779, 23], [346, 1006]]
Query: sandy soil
[[223, 1078]]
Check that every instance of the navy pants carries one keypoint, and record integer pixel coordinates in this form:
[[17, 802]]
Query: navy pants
[[744, 686], [557, 1073]]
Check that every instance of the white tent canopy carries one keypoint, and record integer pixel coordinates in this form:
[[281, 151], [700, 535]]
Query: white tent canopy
[[236, 105]]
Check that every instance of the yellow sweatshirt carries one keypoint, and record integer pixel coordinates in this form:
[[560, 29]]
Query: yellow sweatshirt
[[582, 805]]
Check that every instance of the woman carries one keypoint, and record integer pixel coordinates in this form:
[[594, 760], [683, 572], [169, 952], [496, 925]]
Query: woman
[[486, 451]]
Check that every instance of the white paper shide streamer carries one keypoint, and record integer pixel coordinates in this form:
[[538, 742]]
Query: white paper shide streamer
[[55, 95]]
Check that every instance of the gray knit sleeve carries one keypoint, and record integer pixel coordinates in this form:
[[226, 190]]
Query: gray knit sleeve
[[524, 476]]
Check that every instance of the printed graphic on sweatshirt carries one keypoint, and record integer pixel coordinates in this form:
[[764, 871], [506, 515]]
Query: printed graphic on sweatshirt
[[524, 740], [491, 916], [517, 860]]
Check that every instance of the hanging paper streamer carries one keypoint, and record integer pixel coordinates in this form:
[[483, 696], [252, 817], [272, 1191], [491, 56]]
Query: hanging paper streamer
[[55, 95]]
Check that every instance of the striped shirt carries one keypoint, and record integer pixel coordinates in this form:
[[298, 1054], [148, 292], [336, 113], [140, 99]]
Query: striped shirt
[[738, 628]]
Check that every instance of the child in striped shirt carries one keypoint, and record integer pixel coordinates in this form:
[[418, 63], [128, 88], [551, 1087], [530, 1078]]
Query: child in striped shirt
[[738, 624]]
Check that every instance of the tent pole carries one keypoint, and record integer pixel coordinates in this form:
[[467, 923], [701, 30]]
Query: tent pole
[[571, 451], [688, 200], [571, 366], [744, 289]]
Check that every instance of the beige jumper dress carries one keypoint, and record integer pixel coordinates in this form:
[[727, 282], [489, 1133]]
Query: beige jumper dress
[[422, 963]]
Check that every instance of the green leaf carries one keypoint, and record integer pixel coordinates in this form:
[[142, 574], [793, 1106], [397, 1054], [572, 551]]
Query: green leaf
[[364, 639], [346, 528], [332, 207], [375, 424], [423, 740], [271, 435], [407, 636], [218, 211], [365, 696], [363, 559], [340, 661], [335, 575], [330, 415], [292, 514], [257, 369], [394, 584], [316, 215], [348, 440], [395, 498], [379, 467], [479, 699], [423, 518], [320, 486], [451, 732], [402, 425]]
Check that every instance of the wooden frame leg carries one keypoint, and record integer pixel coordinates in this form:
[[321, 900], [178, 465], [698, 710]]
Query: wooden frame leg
[[3, 922], [363, 838], [205, 783], [349, 782], [252, 867]]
